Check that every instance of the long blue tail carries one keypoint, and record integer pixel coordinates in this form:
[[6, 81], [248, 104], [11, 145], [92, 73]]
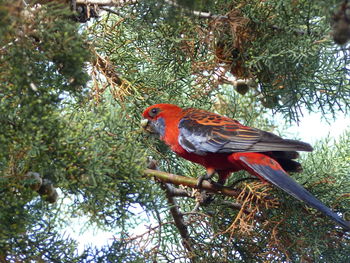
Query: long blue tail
[[281, 179]]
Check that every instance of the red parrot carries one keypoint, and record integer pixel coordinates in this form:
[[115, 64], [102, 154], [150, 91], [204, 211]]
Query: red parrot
[[223, 145]]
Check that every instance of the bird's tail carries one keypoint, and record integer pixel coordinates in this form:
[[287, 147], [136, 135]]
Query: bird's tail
[[269, 170]]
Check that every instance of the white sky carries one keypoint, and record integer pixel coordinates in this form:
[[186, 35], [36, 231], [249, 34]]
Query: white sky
[[313, 128]]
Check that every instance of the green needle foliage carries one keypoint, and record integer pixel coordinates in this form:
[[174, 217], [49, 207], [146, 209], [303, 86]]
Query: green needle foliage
[[71, 98]]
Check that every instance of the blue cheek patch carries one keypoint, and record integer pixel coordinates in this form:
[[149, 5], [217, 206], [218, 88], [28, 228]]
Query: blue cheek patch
[[159, 126]]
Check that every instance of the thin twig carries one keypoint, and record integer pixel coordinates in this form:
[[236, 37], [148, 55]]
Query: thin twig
[[199, 14], [238, 206], [107, 2], [148, 232], [177, 192], [110, 10]]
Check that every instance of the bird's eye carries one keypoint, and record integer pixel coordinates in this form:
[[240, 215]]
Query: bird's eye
[[153, 112]]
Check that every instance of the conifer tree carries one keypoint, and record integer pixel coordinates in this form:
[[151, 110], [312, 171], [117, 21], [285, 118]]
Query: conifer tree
[[72, 93]]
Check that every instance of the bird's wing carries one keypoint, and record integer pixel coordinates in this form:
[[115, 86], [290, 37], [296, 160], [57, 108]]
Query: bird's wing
[[203, 132]]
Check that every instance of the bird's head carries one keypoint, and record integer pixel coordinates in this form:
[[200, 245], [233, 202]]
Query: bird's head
[[156, 115]]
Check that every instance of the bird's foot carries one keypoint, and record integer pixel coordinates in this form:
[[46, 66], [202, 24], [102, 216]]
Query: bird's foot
[[202, 178], [208, 178], [216, 184]]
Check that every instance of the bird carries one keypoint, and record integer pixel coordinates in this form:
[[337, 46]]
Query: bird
[[223, 145]]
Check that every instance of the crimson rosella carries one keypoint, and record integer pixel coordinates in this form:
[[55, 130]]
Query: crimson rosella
[[223, 145]]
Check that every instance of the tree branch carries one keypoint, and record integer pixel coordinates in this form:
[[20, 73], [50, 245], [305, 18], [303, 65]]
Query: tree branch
[[190, 182], [172, 192], [178, 218], [199, 14], [107, 2], [110, 10], [177, 192]]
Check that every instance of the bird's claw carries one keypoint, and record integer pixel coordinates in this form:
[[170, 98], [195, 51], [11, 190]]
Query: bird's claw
[[201, 179], [208, 178], [216, 184]]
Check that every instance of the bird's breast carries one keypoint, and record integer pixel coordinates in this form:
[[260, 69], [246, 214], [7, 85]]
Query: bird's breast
[[217, 161]]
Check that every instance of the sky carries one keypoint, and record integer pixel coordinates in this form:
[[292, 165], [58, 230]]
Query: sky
[[313, 128]]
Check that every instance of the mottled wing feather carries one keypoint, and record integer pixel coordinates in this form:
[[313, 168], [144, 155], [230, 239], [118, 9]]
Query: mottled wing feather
[[203, 132]]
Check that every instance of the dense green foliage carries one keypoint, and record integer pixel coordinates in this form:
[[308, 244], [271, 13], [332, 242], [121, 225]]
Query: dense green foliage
[[70, 104]]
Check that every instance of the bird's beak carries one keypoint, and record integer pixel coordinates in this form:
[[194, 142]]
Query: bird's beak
[[146, 125]]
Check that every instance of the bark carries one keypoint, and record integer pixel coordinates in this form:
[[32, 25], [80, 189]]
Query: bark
[[190, 182]]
